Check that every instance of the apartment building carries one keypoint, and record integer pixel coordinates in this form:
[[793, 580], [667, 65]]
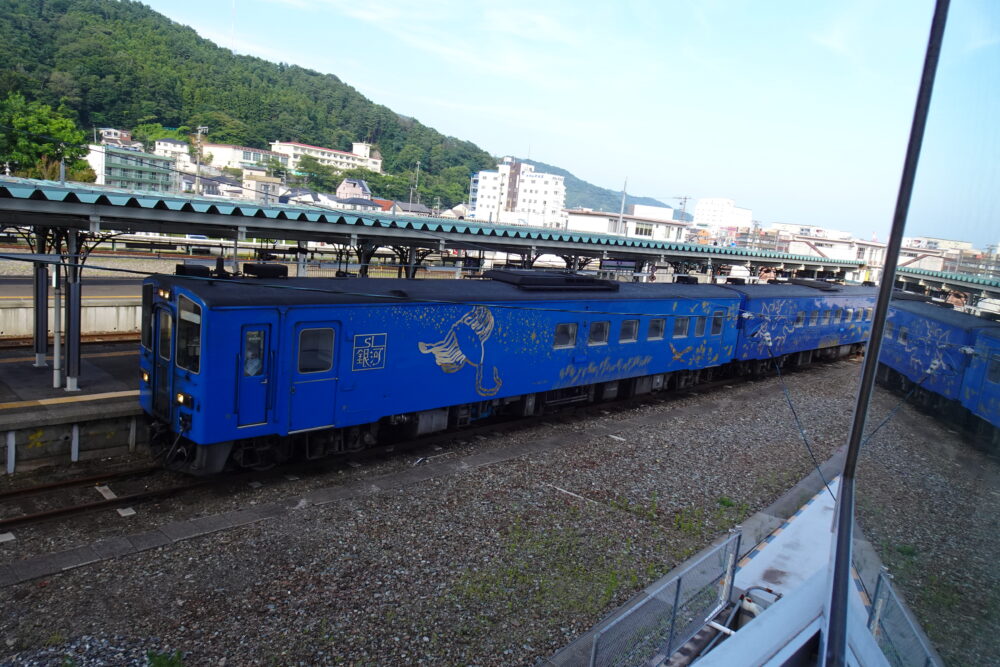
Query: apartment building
[[131, 169], [516, 194], [650, 228], [362, 155], [239, 157], [178, 150], [716, 212]]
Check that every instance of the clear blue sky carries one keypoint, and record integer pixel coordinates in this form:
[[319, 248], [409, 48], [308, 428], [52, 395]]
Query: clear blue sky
[[798, 110]]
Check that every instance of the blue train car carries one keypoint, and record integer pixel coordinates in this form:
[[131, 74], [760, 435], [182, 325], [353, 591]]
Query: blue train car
[[947, 353], [801, 320], [229, 370]]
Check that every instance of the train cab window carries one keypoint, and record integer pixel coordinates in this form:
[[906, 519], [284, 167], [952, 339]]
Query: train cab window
[[889, 328], [800, 319], [165, 325], [813, 318], [147, 315], [598, 333], [188, 334], [717, 317], [681, 327], [868, 313], [629, 332], [315, 350], [699, 326], [826, 317], [904, 335], [993, 370], [565, 335], [656, 328]]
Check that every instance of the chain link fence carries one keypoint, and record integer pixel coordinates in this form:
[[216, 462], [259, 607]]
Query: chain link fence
[[671, 614], [895, 630]]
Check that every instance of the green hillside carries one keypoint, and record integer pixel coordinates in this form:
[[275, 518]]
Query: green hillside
[[117, 63]]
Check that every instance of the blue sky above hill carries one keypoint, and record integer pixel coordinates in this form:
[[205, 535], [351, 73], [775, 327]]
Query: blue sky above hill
[[798, 110]]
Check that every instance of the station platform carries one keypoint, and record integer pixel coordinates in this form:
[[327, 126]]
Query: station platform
[[43, 425]]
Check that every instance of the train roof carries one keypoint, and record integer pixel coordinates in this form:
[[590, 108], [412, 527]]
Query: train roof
[[778, 290], [312, 291], [944, 315]]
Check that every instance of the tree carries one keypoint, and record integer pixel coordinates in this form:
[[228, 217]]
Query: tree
[[30, 131], [317, 176]]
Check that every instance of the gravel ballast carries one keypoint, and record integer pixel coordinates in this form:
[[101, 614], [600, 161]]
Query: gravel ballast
[[503, 564]]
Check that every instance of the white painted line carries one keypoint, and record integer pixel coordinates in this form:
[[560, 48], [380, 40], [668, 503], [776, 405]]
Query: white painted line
[[106, 492], [617, 437], [126, 511], [570, 493], [6, 537]]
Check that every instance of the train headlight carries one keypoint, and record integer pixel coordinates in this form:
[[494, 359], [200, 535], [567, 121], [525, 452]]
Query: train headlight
[[164, 294], [145, 376], [184, 399]]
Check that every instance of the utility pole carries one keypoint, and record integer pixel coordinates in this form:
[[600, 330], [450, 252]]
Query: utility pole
[[621, 210], [683, 200], [197, 160]]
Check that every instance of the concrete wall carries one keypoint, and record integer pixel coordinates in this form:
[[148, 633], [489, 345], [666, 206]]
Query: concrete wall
[[17, 316]]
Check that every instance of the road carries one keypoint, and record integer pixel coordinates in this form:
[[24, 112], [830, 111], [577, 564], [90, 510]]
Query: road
[[20, 287]]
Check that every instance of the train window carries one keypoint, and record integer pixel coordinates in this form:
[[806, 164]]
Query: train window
[[849, 317], [565, 335], [188, 334], [813, 318], [656, 328], [315, 350], [629, 332], [993, 370], [681, 327], [800, 319], [598, 333], [147, 315], [253, 353], [838, 316], [717, 318], [165, 325], [904, 335], [699, 326], [826, 317], [868, 313], [889, 328]]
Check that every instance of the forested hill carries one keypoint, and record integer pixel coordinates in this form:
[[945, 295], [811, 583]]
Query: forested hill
[[580, 193], [118, 63]]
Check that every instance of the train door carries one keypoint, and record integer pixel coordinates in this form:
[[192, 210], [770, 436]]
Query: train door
[[255, 374], [312, 403], [163, 345]]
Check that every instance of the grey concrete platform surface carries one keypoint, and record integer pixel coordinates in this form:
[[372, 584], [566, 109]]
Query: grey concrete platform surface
[[42, 423]]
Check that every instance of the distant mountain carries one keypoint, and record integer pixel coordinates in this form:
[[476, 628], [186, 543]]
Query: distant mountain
[[581, 194]]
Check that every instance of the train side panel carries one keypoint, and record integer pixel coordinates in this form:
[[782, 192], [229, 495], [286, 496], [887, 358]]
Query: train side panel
[[981, 388]]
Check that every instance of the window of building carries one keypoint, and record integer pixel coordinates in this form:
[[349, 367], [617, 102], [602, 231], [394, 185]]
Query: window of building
[[717, 318], [565, 335], [699, 325], [188, 334], [315, 350], [598, 333], [681, 327], [642, 229], [655, 329], [629, 332], [861, 253]]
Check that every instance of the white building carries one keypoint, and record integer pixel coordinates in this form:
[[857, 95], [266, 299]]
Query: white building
[[515, 194], [629, 226], [131, 169], [258, 186], [238, 157], [178, 150], [362, 155], [718, 212]]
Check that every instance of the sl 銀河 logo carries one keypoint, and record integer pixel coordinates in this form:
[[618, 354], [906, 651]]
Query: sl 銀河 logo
[[464, 344]]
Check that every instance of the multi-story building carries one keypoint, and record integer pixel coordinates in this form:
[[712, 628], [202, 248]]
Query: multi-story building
[[178, 150], [515, 194], [131, 169], [353, 188], [239, 157], [645, 227], [716, 212], [362, 155], [258, 186], [119, 138]]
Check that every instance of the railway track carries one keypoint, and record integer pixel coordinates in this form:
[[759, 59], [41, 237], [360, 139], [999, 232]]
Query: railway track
[[282, 473]]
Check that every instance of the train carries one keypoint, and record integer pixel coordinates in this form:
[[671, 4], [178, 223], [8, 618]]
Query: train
[[251, 372]]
